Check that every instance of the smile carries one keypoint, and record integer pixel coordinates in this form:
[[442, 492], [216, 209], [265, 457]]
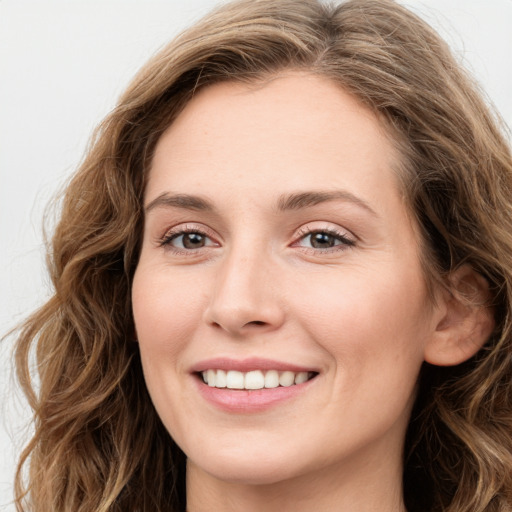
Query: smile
[[255, 379], [251, 385]]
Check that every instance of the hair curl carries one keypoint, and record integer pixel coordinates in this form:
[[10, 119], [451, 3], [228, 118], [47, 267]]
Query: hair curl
[[98, 443]]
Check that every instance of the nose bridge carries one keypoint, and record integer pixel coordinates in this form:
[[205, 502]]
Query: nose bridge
[[244, 295]]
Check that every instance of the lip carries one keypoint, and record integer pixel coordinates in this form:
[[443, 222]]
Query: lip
[[244, 401], [247, 365], [249, 401]]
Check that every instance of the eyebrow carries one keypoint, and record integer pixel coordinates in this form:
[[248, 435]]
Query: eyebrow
[[302, 200], [185, 201], [293, 201]]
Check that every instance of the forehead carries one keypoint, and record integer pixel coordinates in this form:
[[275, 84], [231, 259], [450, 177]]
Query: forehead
[[292, 131]]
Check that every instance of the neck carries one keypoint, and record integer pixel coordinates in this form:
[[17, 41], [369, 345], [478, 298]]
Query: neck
[[365, 487]]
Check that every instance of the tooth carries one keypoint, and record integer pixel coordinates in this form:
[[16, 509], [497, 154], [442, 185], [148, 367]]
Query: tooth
[[220, 379], [301, 377], [210, 375], [234, 380], [254, 380], [286, 379], [271, 379]]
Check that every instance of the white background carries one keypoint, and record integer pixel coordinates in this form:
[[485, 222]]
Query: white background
[[62, 66]]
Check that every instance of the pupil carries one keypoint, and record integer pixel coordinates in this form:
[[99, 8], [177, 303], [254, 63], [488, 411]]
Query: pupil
[[193, 240], [322, 240]]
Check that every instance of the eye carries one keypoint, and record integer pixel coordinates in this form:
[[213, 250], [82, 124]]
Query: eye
[[324, 239], [187, 240]]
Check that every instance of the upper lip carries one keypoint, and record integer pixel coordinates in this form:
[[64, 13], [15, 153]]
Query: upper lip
[[247, 365]]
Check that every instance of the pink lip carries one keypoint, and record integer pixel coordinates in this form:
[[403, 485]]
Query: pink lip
[[244, 401], [247, 365]]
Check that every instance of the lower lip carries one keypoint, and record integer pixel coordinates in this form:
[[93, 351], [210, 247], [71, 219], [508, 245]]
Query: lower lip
[[244, 401]]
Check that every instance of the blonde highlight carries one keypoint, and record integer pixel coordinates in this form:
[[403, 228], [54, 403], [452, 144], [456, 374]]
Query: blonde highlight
[[98, 443]]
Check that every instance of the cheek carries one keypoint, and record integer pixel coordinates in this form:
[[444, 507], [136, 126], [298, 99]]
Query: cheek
[[368, 322], [166, 310], [373, 336], [166, 313]]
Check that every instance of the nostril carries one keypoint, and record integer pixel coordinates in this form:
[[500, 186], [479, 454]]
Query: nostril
[[256, 322]]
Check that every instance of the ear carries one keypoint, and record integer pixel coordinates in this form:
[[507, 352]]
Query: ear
[[465, 321]]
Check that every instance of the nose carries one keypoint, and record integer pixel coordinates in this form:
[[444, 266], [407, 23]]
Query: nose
[[246, 296]]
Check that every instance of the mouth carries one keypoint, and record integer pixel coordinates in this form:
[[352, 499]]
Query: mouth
[[254, 379], [253, 385]]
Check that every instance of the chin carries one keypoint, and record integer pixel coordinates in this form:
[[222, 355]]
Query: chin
[[247, 468]]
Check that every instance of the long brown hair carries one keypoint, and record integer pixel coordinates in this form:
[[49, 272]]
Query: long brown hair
[[98, 443]]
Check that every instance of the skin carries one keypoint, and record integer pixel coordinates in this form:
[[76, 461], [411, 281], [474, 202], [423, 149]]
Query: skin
[[357, 312]]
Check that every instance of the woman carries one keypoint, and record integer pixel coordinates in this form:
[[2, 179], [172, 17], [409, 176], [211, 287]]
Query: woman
[[282, 279]]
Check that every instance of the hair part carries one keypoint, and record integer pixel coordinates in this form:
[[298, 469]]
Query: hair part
[[98, 443]]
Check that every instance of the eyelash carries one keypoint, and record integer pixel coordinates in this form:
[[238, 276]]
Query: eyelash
[[167, 239], [345, 241]]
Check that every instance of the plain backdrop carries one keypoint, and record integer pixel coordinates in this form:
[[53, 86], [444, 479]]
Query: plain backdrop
[[62, 66]]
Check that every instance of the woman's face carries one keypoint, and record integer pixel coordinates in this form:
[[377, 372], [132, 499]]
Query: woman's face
[[277, 245]]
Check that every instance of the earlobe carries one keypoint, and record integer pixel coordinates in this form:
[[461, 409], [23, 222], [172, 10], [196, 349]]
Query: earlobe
[[465, 321]]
